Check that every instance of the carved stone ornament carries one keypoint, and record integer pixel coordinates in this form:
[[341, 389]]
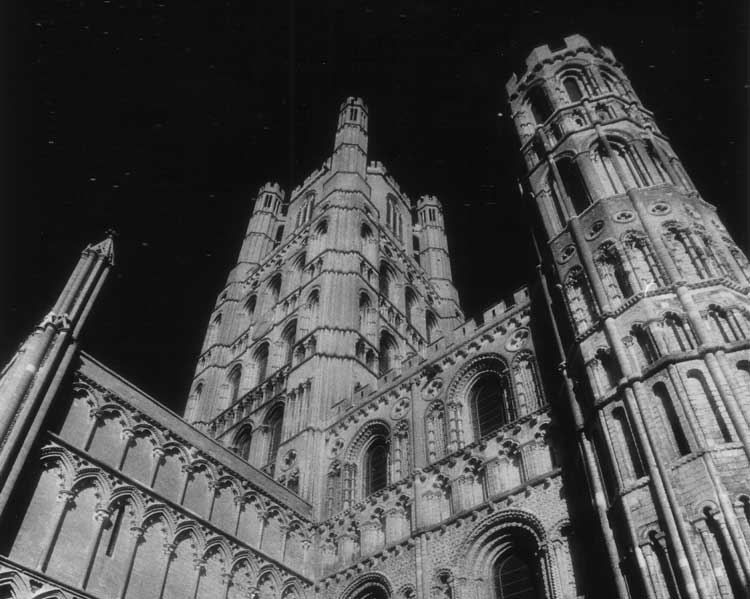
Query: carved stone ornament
[[660, 209], [400, 409], [567, 253], [624, 216], [518, 340], [335, 447], [290, 459], [596, 229], [432, 389], [693, 212]]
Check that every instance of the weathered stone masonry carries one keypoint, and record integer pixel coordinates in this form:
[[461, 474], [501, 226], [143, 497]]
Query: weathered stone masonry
[[348, 434]]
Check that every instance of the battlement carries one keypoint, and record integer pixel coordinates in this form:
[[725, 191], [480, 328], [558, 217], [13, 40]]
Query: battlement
[[271, 187], [353, 101], [376, 168], [572, 44], [428, 200], [310, 179]]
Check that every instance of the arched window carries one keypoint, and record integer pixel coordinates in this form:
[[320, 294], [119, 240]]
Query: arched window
[[541, 109], [573, 88], [431, 326], [250, 306], [725, 326], [613, 273], [393, 217], [514, 576], [305, 211], [244, 439], [274, 423], [321, 228], [709, 412], [678, 444], [235, 380], [313, 306], [279, 235], [556, 196], [575, 186], [375, 466], [261, 363], [364, 309], [630, 457], [679, 335], [274, 289], [646, 346], [288, 337], [213, 330], [386, 280], [388, 351], [661, 172], [411, 305], [365, 232], [580, 302], [643, 265], [491, 403], [605, 171]]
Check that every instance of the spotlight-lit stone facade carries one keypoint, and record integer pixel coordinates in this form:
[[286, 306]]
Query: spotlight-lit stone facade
[[349, 434]]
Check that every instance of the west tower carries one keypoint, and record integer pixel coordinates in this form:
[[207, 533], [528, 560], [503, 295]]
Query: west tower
[[654, 293], [335, 286]]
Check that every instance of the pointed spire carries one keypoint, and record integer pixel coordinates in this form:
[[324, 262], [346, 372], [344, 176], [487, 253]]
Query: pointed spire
[[106, 247]]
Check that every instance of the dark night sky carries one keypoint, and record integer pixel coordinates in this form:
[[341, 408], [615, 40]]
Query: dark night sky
[[163, 118]]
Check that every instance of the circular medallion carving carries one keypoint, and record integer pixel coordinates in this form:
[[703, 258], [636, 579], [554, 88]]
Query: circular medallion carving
[[624, 216], [595, 229], [567, 253], [660, 209], [432, 389], [335, 448], [290, 459], [518, 339], [400, 409]]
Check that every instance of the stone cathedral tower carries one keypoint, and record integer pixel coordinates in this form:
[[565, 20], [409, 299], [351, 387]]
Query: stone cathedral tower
[[334, 287], [654, 294], [348, 435]]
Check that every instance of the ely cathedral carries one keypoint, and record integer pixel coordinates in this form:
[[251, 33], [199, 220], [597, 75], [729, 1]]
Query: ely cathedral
[[350, 435]]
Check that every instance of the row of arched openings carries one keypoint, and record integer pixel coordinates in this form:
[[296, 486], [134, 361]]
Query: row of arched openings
[[616, 166], [576, 83]]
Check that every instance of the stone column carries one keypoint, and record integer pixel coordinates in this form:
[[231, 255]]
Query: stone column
[[137, 535], [102, 521], [64, 501]]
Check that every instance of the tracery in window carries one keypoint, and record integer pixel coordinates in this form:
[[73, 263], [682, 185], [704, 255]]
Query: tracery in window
[[393, 218], [305, 211], [515, 574], [491, 402]]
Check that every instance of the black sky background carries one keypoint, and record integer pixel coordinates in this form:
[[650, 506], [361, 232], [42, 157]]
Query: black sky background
[[162, 119]]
